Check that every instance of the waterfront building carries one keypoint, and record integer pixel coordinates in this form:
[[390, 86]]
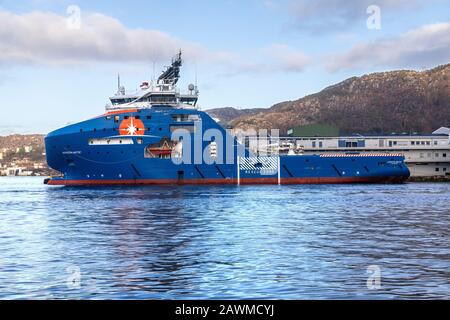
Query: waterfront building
[[425, 155]]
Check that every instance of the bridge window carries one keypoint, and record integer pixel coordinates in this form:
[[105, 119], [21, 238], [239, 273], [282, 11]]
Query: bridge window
[[163, 98]]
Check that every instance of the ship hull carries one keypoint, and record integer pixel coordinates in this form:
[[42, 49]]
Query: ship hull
[[97, 153]]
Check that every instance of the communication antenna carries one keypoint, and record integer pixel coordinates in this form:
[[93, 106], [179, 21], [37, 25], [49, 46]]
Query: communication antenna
[[153, 76], [195, 76], [118, 82]]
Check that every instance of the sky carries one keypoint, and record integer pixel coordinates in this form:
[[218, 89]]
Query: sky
[[59, 59]]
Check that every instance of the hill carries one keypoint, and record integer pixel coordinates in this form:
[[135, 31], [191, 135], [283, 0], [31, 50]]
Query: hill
[[385, 102], [228, 114]]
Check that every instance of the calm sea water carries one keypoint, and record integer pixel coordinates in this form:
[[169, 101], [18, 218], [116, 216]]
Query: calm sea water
[[223, 242]]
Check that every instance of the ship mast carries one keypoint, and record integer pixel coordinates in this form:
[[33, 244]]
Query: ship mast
[[171, 75]]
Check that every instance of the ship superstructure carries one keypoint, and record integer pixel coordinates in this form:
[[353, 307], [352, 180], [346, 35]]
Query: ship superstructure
[[158, 136], [163, 92]]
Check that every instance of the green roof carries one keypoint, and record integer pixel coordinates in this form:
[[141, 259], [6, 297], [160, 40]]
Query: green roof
[[314, 130]]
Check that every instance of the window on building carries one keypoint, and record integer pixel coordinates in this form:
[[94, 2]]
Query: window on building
[[437, 169], [320, 144], [422, 143], [428, 143], [413, 143], [444, 169], [444, 155], [435, 143], [313, 144]]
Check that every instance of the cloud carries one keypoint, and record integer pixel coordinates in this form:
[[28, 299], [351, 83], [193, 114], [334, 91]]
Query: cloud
[[426, 46], [270, 59], [287, 59], [48, 38], [338, 15]]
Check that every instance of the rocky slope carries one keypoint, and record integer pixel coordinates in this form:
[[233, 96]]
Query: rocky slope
[[386, 102], [228, 114]]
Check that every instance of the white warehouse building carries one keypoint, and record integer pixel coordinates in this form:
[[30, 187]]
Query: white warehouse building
[[425, 155]]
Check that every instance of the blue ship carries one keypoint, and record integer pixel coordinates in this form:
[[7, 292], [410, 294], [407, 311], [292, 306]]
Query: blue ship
[[159, 136]]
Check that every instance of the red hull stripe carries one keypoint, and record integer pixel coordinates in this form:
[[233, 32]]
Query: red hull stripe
[[244, 181]]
